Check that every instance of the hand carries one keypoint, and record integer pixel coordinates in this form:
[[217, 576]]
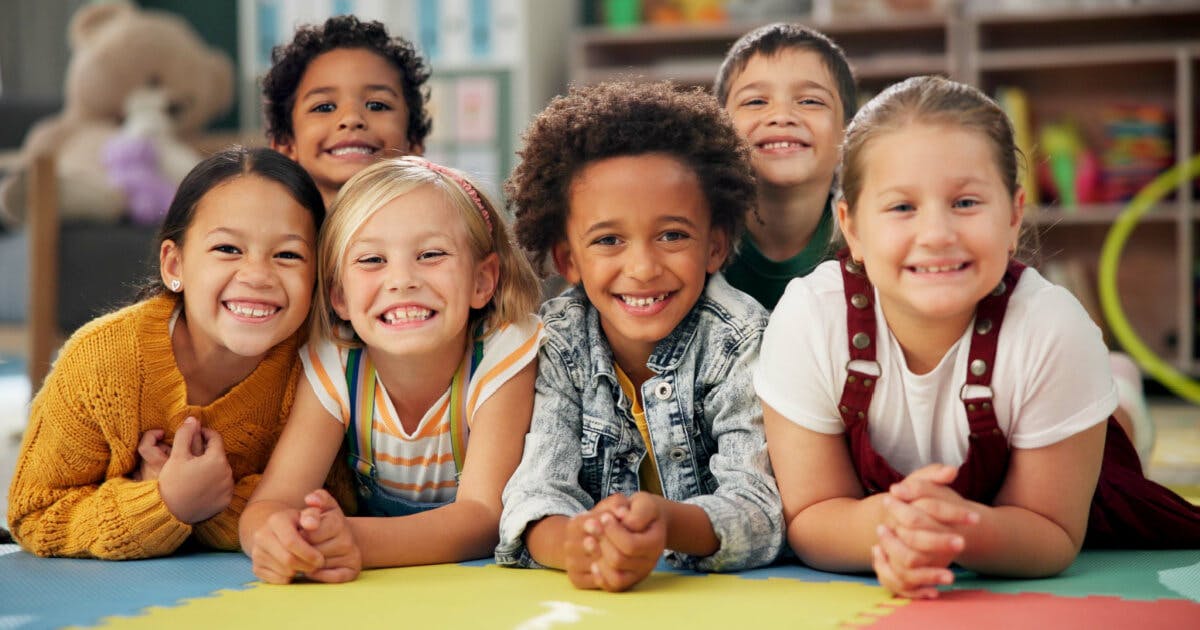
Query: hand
[[581, 545], [633, 540], [324, 526], [153, 453], [918, 535], [280, 552], [196, 483]]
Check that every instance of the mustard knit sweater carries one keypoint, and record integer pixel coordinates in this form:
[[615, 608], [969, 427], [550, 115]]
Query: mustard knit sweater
[[116, 378]]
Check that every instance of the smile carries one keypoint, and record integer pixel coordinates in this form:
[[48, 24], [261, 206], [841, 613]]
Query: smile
[[250, 310], [642, 302], [354, 150], [770, 146], [407, 314], [939, 268]]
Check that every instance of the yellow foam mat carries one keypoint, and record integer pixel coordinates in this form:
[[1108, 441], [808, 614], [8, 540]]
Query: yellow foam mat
[[463, 596]]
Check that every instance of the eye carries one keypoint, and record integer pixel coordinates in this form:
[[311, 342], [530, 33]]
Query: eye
[[227, 249], [966, 203], [808, 100], [674, 235], [754, 101], [323, 108], [369, 259], [607, 241], [290, 255], [903, 206], [378, 106], [431, 254]]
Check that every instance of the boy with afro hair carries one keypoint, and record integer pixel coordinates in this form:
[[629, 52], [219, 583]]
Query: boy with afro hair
[[342, 95], [645, 436]]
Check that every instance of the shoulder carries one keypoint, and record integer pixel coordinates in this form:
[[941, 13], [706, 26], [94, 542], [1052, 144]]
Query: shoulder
[[518, 337], [1050, 310], [819, 295], [731, 313], [120, 332], [566, 319]]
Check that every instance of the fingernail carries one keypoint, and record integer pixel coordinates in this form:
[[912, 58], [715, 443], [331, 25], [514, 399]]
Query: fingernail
[[972, 517], [190, 420], [606, 519], [590, 526], [957, 542], [589, 544], [880, 530]]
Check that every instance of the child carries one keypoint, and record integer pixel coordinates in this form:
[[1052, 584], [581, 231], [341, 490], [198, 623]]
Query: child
[[341, 96], [425, 332], [908, 427], [645, 435], [790, 92], [157, 419]]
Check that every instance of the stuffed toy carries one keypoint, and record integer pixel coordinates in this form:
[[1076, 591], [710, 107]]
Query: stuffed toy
[[151, 63]]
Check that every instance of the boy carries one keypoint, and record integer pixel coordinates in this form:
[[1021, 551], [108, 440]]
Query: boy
[[342, 95], [790, 93], [645, 434]]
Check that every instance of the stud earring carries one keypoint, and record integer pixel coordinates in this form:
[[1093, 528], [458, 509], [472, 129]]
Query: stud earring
[[176, 285]]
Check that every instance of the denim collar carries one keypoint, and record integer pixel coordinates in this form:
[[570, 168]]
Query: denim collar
[[667, 354]]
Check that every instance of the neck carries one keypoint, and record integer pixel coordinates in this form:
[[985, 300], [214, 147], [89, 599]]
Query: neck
[[923, 342], [632, 358], [328, 195], [208, 372], [415, 383], [789, 217]]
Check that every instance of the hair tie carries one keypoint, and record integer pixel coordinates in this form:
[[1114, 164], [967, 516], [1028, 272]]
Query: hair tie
[[461, 182]]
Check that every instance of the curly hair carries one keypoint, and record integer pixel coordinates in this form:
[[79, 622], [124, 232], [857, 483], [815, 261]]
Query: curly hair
[[289, 62], [617, 119]]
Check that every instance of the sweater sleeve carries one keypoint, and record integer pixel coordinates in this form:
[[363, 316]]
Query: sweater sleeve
[[69, 496], [221, 531]]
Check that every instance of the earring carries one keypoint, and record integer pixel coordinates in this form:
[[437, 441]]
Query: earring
[[176, 285]]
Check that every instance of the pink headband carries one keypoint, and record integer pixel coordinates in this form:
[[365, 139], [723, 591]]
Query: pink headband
[[462, 183]]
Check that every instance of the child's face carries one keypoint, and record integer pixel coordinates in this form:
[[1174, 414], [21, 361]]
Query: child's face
[[410, 278], [787, 108], [934, 223], [246, 267], [349, 112], [639, 237]]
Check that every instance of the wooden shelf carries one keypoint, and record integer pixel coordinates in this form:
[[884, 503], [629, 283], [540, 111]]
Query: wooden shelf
[[1100, 214], [1098, 55]]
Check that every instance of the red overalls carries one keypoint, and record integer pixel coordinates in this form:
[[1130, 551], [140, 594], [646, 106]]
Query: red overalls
[[1128, 510]]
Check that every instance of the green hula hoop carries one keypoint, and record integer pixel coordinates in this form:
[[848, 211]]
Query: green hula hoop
[[1110, 303]]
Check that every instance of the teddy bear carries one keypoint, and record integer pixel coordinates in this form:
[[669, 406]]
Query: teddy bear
[[120, 53]]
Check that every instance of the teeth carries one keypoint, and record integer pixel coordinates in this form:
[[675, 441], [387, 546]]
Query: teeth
[[406, 314], [779, 145], [348, 150], [245, 310], [643, 301], [940, 269]]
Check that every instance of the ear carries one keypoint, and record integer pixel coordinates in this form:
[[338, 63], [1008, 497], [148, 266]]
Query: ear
[[1018, 215], [286, 147], [170, 262], [487, 277], [848, 228], [564, 262], [718, 249], [337, 299]]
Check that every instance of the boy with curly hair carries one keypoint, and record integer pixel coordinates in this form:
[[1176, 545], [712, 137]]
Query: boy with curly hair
[[646, 436], [342, 95], [790, 93]]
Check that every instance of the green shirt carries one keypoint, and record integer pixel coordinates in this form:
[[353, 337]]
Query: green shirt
[[765, 279]]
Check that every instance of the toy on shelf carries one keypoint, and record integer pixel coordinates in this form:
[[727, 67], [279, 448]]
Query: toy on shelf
[[1137, 148]]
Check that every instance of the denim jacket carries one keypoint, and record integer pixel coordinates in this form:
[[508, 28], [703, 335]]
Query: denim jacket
[[704, 420]]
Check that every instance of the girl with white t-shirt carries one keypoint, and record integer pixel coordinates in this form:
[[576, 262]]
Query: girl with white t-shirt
[[930, 401], [424, 334]]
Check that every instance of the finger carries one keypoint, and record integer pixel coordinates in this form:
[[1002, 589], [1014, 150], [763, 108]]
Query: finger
[[197, 441], [918, 583], [643, 511], [611, 503], [898, 513], [149, 448], [213, 442], [321, 500], [290, 549], [610, 578], [621, 540], [936, 473], [900, 555], [309, 521], [334, 575], [186, 434], [270, 575], [940, 544]]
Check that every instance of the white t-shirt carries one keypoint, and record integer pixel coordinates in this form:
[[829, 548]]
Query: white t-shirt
[[419, 466], [1051, 377]]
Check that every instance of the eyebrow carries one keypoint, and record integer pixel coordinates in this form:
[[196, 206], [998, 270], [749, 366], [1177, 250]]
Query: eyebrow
[[604, 226], [240, 234], [373, 87], [802, 83]]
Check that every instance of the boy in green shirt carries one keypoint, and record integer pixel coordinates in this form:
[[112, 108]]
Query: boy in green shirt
[[790, 93]]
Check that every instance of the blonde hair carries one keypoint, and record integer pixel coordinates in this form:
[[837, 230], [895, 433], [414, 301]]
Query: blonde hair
[[517, 291]]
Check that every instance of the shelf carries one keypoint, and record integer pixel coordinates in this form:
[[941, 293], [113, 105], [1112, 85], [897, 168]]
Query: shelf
[[1098, 55], [1101, 214], [664, 34], [1095, 14]]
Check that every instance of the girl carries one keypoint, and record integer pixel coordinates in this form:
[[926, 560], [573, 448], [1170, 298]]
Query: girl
[[425, 333], [927, 399], [196, 378]]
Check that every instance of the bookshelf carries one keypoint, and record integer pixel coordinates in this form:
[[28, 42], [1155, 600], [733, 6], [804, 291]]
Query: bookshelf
[[1073, 64]]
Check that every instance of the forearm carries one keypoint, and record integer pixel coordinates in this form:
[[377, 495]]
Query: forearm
[[689, 529], [119, 519], [221, 531], [837, 534], [544, 541], [1012, 541], [463, 530]]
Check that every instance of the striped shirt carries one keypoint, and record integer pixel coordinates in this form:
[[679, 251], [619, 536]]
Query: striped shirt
[[419, 466]]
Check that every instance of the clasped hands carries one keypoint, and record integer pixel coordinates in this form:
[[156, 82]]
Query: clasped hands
[[920, 533], [314, 543], [617, 543]]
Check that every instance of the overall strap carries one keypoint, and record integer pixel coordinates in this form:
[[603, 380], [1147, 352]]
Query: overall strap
[[360, 384], [459, 428], [862, 370]]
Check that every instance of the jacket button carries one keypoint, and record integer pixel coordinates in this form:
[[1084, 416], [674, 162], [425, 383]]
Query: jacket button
[[632, 458], [663, 390], [677, 454]]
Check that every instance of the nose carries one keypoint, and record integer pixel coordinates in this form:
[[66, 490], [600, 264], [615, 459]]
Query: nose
[[256, 272], [642, 263], [351, 118], [936, 227], [781, 113], [402, 276]]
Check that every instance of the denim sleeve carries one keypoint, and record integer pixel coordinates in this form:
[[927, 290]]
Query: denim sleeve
[[547, 481], [746, 511]]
